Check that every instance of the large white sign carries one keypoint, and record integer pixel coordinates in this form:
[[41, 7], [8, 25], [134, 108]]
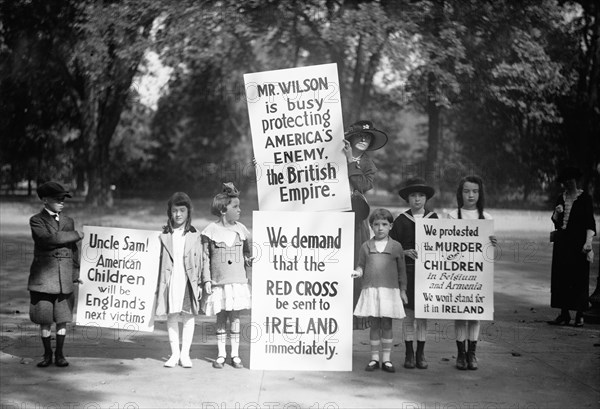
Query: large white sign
[[119, 270], [302, 291], [297, 136], [454, 271]]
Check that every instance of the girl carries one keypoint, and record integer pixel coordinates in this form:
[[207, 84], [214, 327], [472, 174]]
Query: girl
[[471, 202], [179, 281], [227, 249], [416, 192], [381, 265]]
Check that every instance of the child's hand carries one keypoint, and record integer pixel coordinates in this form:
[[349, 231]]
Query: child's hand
[[208, 287], [80, 234], [248, 261], [494, 240], [403, 296], [412, 253], [78, 281], [356, 274]]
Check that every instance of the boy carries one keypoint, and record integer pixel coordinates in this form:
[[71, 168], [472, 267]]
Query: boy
[[416, 192], [54, 269]]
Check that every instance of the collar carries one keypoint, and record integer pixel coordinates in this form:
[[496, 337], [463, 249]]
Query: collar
[[54, 215], [408, 214], [373, 249]]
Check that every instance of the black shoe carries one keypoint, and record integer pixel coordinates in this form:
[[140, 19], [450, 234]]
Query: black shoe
[[46, 362], [60, 361], [388, 367], [578, 321], [560, 320], [372, 365], [409, 361], [236, 362], [420, 355], [218, 363], [461, 356], [471, 360]]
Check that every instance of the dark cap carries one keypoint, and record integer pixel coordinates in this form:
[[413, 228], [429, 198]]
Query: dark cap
[[52, 189], [416, 185]]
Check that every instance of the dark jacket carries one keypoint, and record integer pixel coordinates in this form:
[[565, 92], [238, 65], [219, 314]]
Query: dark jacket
[[55, 254]]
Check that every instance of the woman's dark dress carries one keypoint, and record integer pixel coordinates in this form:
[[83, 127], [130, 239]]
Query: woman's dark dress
[[570, 268]]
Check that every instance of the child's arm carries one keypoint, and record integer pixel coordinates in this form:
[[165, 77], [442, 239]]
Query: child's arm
[[206, 276], [199, 259], [247, 250], [402, 280], [358, 272], [43, 237]]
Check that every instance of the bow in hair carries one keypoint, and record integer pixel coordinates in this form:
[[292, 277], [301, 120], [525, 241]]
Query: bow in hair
[[230, 190]]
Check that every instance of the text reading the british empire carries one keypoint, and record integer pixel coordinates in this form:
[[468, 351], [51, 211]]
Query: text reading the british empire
[[311, 252], [454, 262], [296, 130]]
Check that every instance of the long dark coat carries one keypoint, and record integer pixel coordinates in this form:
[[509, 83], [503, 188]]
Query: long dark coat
[[570, 269], [55, 255]]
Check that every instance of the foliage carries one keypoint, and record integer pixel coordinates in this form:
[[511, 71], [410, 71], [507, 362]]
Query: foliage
[[505, 89]]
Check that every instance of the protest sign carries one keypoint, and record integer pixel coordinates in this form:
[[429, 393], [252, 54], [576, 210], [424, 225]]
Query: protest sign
[[297, 136], [119, 270], [302, 291], [454, 271]]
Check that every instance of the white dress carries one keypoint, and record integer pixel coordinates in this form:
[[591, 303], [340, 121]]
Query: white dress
[[178, 281]]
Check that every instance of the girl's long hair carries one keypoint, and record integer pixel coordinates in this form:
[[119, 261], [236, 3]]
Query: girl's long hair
[[459, 197], [179, 199]]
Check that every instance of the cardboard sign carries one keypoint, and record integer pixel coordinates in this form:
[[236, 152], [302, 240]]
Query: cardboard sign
[[119, 270], [454, 271], [302, 291], [297, 137]]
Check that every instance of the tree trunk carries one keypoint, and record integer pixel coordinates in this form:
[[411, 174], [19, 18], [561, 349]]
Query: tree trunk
[[433, 136]]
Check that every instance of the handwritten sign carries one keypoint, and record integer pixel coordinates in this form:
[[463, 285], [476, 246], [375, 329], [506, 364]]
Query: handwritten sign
[[297, 137], [119, 270], [302, 291], [454, 272]]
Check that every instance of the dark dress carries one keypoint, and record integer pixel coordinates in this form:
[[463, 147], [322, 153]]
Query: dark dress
[[403, 231], [570, 268], [361, 175]]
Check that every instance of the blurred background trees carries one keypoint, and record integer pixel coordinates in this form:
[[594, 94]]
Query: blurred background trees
[[499, 88]]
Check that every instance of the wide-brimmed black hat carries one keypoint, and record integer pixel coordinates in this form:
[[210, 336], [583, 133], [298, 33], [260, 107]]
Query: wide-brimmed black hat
[[569, 172], [52, 189], [378, 140], [416, 185]]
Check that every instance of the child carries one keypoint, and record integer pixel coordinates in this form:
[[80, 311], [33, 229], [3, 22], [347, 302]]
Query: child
[[54, 269], [381, 265], [471, 202], [416, 192], [179, 288], [226, 247]]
